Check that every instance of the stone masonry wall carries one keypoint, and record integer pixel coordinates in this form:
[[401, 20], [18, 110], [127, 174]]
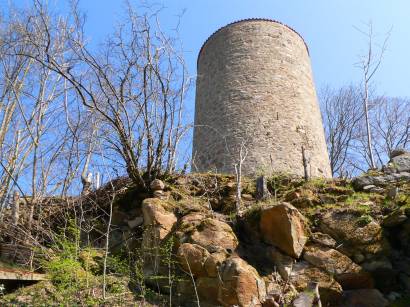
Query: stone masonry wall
[[255, 91]]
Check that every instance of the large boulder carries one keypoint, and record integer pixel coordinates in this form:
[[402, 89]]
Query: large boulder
[[400, 161], [240, 285], [214, 261], [374, 182], [192, 258], [284, 227], [212, 234], [159, 221], [345, 271], [158, 217], [330, 260], [207, 232], [398, 169], [344, 226]]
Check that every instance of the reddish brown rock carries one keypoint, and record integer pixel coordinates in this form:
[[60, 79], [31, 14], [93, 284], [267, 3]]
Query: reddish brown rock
[[158, 214], [284, 227], [158, 222], [192, 258], [208, 289], [214, 261], [213, 233], [241, 284], [345, 271], [330, 260]]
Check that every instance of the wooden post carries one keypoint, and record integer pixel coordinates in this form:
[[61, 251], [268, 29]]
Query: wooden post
[[262, 191], [305, 164]]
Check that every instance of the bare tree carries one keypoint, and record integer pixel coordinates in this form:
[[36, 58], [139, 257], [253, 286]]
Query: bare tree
[[369, 63], [243, 152], [391, 126], [135, 84], [342, 112]]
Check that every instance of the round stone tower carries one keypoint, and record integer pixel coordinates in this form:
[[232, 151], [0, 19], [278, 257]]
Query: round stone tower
[[256, 101]]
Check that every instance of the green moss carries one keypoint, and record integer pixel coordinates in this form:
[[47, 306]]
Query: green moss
[[357, 197], [254, 212], [364, 220]]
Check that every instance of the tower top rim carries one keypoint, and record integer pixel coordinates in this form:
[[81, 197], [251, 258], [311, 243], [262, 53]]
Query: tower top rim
[[248, 20]]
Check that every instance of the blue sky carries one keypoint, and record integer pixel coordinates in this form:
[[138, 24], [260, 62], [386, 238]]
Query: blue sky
[[327, 27]]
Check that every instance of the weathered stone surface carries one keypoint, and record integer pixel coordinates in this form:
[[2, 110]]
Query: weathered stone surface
[[209, 233], [383, 273], [342, 225], [398, 152], [330, 260], [212, 233], [392, 193], [379, 181], [246, 72], [157, 185], [214, 261], [364, 298], [208, 289], [192, 258], [358, 257], [345, 271], [401, 163], [323, 239], [241, 284], [284, 227], [157, 214], [369, 188], [158, 222], [304, 273]]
